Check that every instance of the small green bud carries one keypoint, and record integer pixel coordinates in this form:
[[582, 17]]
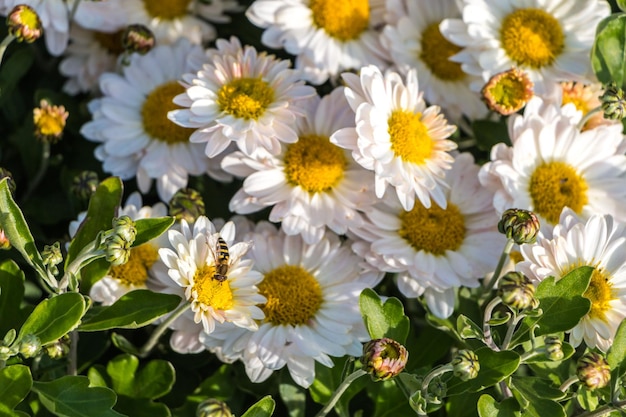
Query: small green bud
[[124, 226], [465, 365], [187, 204], [117, 250], [554, 348], [384, 358], [520, 225], [593, 370], [613, 102], [58, 349], [52, 256], [23, 23], [517, 291], [29, 346], [137, 38], [84, 184], [213, 408]]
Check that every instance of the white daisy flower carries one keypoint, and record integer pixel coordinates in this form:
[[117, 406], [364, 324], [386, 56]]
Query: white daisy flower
[[312, 308], [552, 165], [241, 96], [327, 37], [397, 136], [133, 274], [600, 242], [218, 283], [414, 41], [131, 123], [171, 20], [312, 184], [436, 250], [549, 39]]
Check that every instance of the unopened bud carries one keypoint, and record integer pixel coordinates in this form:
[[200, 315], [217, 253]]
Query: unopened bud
[[138, 38], [613, 102], [51, 255], [29, 346], [517, 291], [508, 91], [117, 250], [593, 370], [124, 226], [465, 365], [187, 204], [84, 184], [213, 408], [384, 358], [58, 349], [520, 225], [49, 122], [5, 244], [23, 23], [554, 348]]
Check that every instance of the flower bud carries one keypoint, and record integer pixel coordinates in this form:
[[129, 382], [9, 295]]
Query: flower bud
[[520, 225], [5, 244], [465, 365], [49, 122], [517, 291], [613, 102], [23, 23], [124, 226], [29, 346], [137, 38], [213, 408], [5, 173], [593, 370], [117, 250], [58, 349], [186, 204], [508, 91], [384, 358], [51, 255], [84, 184], [554, 348]]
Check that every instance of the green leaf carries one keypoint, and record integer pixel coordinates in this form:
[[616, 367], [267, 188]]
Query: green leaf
[[154, 380], [388, 399], [562, 303], [608, 55], [11, 296], [616, 356], [494, 367], [621, 4], [384, 320], [488, 407], [326, 382], [13, 68], [54, 317], [135, 309], [467, 329], [148, 229], [16, 229], [71, 396], [15, 384], [294, 398], [263, 408], [533, 388]]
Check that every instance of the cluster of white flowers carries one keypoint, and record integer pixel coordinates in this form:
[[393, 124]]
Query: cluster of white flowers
[[366, 180]]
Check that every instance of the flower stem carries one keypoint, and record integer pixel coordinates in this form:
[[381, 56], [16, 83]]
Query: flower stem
[[568, 383], [73, 354], [161, 328], [512, 325], [339, 391], [587, 116], [434, 373], [496, 273], [4, 45], [486, 327]]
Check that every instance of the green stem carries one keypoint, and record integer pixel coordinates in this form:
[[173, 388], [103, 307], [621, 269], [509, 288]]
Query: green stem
[[512, 325], [604, 410], [88, 254], [568, 383], [43, 167], [434, 373], [503, 258], [73, 353], [486, 327], [162, 327], [4, 45], [339, 391], [587, 116]]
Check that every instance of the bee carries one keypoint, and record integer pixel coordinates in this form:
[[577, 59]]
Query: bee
[[221, 257]]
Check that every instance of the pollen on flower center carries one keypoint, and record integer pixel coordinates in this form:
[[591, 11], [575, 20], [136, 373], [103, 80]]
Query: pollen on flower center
[[600, 293], [344, 20], [135, 271], [211, 292], [314, 164], [245, 98], [409, 137], [555, 185], [532, 37], [166, 9], [436, 51], [434, 230], [154, 114], [293, 295], [111, 42]]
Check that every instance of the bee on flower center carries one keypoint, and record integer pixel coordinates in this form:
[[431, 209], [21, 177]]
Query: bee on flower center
[[221, 257]]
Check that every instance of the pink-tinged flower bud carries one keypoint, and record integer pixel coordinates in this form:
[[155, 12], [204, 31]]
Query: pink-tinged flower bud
[[593, 370], [508, 91], [520, 225], [23, 23], [384, 358]]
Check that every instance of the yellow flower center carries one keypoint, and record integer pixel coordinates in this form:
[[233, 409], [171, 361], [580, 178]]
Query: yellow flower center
[[600, 293], [293, 296], [49, 121], [135, 271], [532, 37], [508, 91], [555, 185], [344, 20], [166, 9], [210, 291], [245, 98], [436, 51], [409, 137], [434, 230], [154, 114], [111, 42], [314, 164]]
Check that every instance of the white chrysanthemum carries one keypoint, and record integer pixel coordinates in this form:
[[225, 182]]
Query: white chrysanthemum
[[326, 36], [414, 41], [552, 165], [241, 96], [172, 19], [549, 39], [397, 136], [193, 264], [312, 308], [436, 250], [131, 123], [89, 54], [599, 242], [312, 184], [134, 273], [54, 15]]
